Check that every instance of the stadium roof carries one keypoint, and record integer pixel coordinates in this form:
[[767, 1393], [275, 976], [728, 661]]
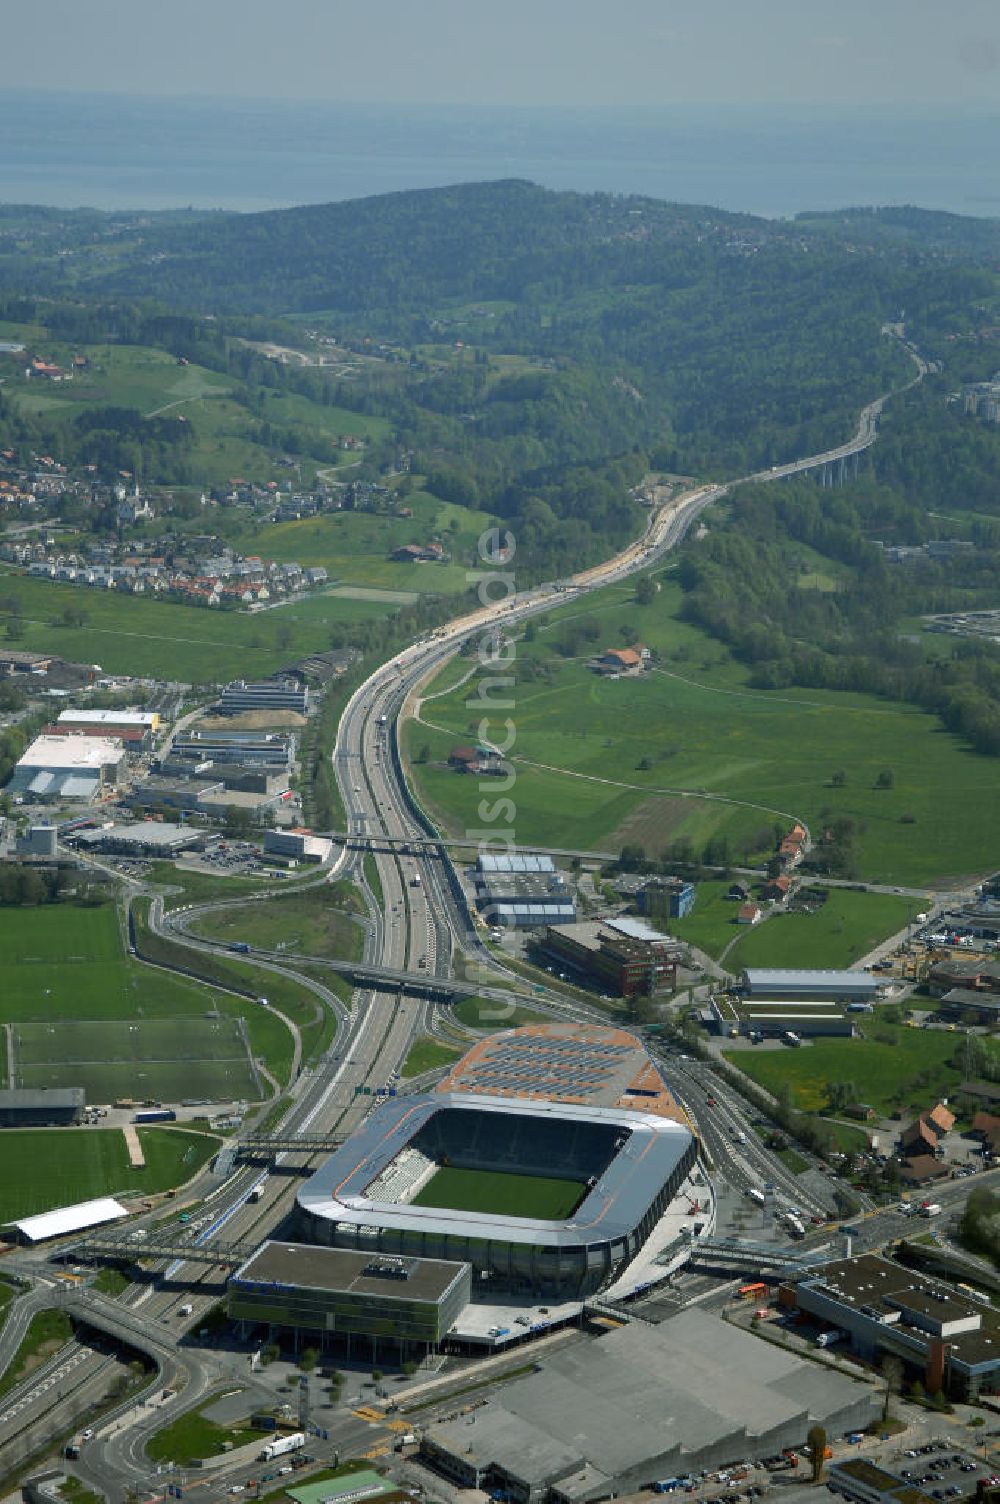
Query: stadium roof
[[67, 1219], [585, 1064], [790, 980], [652, 1148]]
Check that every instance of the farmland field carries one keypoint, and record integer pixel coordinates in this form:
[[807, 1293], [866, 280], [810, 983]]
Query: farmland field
[[163, 639], [687, 749], [501, 1193], [844, 928], [48, 1167], [894, 1066], [158, 1059]]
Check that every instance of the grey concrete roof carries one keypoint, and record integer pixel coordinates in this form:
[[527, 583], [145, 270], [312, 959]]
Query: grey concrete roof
[[611, 1209], [43, 1096], [789, 979], [339, 1269], [642, 1392]]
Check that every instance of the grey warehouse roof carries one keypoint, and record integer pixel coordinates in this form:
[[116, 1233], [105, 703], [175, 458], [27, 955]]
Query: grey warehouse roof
[[790, 980], [42, 1097], [682, 1388], [506, 865], [611, 1209]]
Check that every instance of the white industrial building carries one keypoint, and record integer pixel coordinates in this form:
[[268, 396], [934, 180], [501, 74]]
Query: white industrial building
[[296, 846], [777, 984], [135, 720], [68, 768], [66, 1219]]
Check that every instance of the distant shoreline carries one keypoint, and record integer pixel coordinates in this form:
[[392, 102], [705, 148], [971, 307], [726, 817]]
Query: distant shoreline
[[121, 152]]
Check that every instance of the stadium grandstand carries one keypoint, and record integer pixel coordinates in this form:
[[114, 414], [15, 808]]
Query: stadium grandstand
[[545, 1159]]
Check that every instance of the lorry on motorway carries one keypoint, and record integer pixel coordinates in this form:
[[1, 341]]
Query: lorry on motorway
[[756, 1195], [257, 1191], [155, 1115], [415, 880], [186, 1309], [241, 947], [284, 1444], [827, 1339], [930, 1209], [795, 1226]]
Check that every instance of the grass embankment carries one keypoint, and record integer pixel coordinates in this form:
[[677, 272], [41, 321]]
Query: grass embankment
[[640, 759], [427, 1055], [43, 1168], [269, 1036], [318, 922], [490, 1013], [47, 1332], [192, 1437]]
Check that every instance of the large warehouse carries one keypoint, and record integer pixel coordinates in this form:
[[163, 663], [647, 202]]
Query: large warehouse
[[545, 1159], [777, 984], [79, 768], [642, 1403]]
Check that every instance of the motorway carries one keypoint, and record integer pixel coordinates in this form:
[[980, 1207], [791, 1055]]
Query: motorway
[[422, 926]]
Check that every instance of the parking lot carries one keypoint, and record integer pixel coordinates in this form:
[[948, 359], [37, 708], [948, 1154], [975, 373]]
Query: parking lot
[[941, 1470]]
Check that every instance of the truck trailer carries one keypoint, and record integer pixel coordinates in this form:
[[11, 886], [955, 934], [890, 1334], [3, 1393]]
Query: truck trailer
[[284, 1444]]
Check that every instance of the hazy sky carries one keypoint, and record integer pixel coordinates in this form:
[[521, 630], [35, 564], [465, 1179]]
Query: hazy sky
[[563, 52]]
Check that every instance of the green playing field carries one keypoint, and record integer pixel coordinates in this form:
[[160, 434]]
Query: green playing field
[[502, 1194], [162, 1059]]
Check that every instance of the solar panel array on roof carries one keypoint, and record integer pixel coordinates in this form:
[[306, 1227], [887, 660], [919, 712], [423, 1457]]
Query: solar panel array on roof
[[531, 1063], [531, 913], [495, 862]]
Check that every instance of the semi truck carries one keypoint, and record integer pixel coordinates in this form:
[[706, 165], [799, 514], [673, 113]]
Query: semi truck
[[284, 1444]]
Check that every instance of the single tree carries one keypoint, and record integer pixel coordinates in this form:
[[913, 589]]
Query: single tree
[[816, 1441]]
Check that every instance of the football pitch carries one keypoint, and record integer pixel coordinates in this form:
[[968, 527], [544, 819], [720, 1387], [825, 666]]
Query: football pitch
[[502, 1194], [204, 1058]]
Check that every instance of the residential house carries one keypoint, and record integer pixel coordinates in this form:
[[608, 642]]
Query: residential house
[[749, 913], [619, 661], [777, 889]]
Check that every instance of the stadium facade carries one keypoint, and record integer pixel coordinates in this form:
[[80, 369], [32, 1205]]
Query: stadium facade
[[563, 1103]]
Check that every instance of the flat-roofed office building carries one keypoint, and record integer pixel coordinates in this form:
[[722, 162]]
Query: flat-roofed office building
[[366, 1302]]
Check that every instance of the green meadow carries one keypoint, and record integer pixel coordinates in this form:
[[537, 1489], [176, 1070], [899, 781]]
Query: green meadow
[[687, 749]]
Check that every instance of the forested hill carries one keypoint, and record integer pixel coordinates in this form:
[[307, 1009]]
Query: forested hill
[[506, 240]]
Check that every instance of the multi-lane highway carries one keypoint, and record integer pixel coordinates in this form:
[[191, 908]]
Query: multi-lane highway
[[422, 926]]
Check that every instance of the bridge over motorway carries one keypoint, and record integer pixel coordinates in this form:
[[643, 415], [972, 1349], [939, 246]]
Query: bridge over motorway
[[430, 844], [267, 1145], [744, 1257], [130, 1249]]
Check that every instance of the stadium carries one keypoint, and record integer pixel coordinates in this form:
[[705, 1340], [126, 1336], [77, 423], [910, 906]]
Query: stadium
[[544, 1160]]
